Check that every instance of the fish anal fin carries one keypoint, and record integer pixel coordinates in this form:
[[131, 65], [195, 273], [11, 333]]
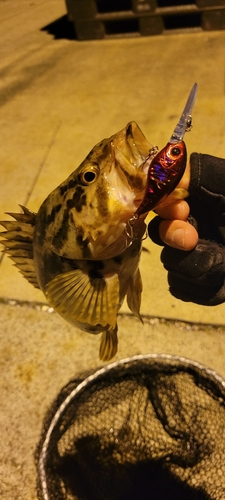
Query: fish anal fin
[[108, 344], [134, 293], [79, 298]]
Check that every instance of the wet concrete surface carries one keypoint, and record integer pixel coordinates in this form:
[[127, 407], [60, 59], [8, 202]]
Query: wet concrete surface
[[58, 98]]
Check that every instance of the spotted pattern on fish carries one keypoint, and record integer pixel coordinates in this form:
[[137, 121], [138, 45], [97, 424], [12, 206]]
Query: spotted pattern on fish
[[67, 186], [82, 244], [102, 202], [51, 217], [117, 259], [94, 273], [78, 201], [62, 233], [135, 182], [79, 248], [44, 223]]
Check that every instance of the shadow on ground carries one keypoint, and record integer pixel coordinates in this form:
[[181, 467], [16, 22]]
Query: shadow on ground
[[61, 29]]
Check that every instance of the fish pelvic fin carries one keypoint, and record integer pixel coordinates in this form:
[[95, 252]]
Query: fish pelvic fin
[[134, 294], [18, 242], [80, 298], [108, 344]]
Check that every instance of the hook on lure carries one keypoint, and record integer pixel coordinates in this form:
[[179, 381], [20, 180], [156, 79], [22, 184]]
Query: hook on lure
[[168, 165]]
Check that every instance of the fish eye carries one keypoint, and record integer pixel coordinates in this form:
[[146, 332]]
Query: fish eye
[[89, 176], [175, 151]]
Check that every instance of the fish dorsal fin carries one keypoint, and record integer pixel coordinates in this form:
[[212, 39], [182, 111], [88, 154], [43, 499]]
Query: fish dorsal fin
[[79, 298], [134, 293], [19, 242]]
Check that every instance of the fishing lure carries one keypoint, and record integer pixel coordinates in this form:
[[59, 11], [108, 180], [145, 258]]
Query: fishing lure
[[167, 166]]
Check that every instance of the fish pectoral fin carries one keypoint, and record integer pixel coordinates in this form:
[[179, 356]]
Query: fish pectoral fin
[[77, 297], [134, 294], [108, 344]]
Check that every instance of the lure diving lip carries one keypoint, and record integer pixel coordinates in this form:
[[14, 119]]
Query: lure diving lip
[[168, 165], [185, 122]]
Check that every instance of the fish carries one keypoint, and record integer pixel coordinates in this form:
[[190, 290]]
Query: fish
[[83, 246]]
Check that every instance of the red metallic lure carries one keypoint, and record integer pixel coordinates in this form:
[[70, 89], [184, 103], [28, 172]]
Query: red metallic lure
[[168, 165], [165, 172]]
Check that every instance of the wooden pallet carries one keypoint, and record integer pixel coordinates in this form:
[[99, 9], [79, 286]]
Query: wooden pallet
[[98, 19]]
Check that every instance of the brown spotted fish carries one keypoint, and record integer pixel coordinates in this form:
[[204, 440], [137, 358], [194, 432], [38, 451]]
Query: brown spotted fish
[[79, 249], [82, 248]]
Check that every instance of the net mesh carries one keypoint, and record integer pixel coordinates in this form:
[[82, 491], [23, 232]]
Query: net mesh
[[149, 427]]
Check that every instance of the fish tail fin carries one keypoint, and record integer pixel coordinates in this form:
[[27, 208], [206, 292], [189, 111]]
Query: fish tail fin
[[18, 242], [108, 344]]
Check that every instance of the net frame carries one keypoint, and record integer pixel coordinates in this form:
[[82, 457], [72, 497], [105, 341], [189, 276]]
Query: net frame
[[211, 381]]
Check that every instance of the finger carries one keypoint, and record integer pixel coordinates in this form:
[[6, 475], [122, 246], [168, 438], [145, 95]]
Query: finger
[[177, 210], [182, 187], [177, 195], [185, 180], [178, 234]]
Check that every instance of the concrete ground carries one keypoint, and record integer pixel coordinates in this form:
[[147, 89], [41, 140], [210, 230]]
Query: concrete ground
[[58, 98]]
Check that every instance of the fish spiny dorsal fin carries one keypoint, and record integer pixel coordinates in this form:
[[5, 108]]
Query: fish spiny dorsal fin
[[18, 242]]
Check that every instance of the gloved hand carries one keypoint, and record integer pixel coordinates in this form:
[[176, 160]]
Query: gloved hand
[[199, 275]]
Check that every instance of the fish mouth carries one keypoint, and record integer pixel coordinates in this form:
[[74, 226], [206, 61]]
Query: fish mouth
[[143, 152], [137, 141], [132, 153], [131, 147]]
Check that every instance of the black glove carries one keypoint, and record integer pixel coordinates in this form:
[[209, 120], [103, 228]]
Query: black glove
[[199, 275]]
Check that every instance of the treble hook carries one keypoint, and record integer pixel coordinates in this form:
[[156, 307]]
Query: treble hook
[[130, 225], [131, 234]]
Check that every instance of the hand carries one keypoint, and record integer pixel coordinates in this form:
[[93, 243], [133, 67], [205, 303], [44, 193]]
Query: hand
[[193, 232], [174, 229]]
